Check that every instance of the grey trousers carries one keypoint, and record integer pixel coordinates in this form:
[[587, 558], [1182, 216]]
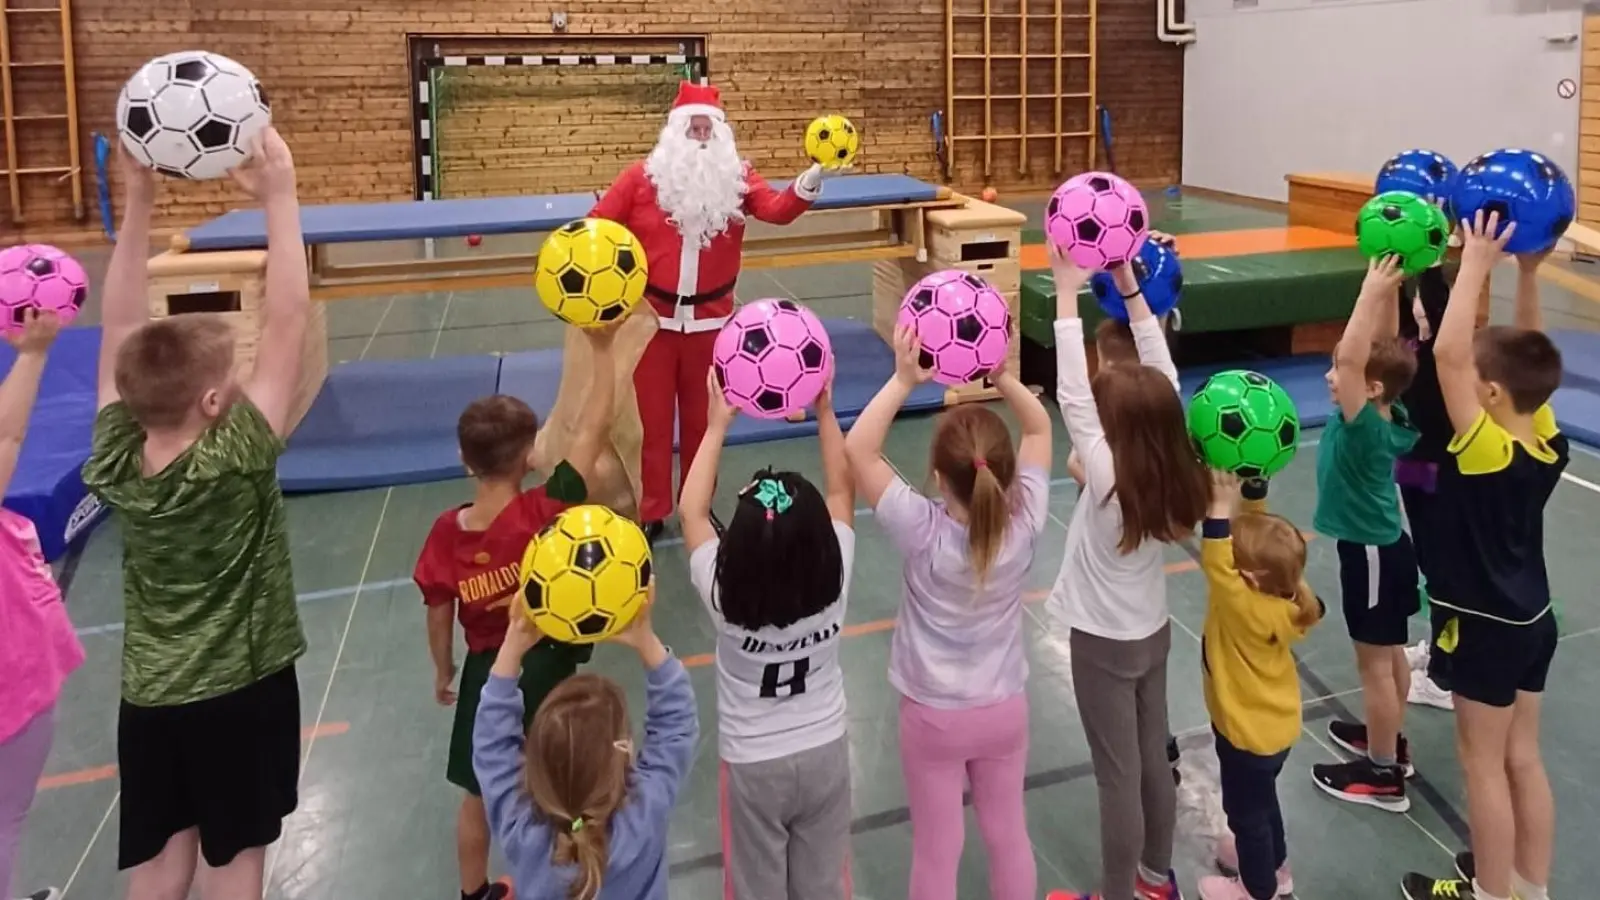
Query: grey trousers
[[786, 826], [1121, 688]]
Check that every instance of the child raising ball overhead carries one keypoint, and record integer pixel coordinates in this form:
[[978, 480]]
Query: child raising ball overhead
[[580, 811], [957, 657], [775, 585]]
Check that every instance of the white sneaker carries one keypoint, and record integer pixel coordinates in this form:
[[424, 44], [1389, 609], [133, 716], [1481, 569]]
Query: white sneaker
[[46, 894], [1417, 655], [1425, 693]]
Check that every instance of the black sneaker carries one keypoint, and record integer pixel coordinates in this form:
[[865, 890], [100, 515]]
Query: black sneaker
[[1466, 867], [46, 894], [1352, 739], [1416, 886], [1359, 781]]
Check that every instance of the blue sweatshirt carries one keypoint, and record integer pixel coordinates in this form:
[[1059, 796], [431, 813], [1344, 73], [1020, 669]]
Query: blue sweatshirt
[[637, 869]]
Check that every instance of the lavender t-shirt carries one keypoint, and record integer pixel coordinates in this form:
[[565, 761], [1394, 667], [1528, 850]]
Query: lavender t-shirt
[[958, 644]]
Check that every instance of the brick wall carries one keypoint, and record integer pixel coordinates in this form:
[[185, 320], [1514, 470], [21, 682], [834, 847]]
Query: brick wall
[[339, 77]]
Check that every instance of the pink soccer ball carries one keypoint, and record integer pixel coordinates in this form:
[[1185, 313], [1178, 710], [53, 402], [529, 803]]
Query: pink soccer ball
[[1099, 219], [964, 325], [38, 276], [772, 358]]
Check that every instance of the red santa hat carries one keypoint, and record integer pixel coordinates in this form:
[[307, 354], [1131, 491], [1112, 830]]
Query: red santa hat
[[697, 100]]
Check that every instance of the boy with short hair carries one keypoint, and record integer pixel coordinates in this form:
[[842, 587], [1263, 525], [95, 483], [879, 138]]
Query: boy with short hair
[[208, 735], [1358, 507], [1501, 635], [469, 569]]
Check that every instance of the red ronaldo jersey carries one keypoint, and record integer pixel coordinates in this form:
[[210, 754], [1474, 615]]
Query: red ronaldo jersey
[[478, 570]]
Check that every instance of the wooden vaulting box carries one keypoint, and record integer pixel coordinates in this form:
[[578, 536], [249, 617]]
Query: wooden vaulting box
[[233, 286]]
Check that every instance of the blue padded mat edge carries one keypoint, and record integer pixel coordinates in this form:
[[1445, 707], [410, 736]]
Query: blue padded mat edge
[[352, 222], [48, 484], [387, 423]]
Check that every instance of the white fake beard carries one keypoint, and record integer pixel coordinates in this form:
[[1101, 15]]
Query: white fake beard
[[700, 186]]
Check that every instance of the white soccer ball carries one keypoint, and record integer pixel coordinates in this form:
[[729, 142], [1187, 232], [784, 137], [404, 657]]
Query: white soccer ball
[[192, 114]]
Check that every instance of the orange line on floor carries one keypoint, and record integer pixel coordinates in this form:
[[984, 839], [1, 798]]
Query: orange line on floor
[[876, 625], [1212, 244], [106, 773]]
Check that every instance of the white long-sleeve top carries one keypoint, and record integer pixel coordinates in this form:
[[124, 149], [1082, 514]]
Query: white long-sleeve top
[[1101, 590]]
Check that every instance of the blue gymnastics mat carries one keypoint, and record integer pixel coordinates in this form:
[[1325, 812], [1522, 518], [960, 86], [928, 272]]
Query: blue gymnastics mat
[[246, 229], [1300, 376], [386, 423], [48, 484], [1577, 403], [380, 423]]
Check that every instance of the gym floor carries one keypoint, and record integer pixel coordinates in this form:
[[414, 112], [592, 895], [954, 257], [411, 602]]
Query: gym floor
[[377, 818]]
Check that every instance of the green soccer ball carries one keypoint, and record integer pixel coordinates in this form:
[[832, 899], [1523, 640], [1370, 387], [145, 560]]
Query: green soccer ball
[[1402, 224], [1244, 423]]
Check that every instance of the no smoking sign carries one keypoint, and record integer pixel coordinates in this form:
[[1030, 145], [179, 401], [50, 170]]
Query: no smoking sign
[[1566, 89]]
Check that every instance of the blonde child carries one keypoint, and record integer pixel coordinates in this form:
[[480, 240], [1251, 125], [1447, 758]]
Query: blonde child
[[1258, 606], [38, 648], [775, 584], [578, 816], [1143, 488], [957, 654]]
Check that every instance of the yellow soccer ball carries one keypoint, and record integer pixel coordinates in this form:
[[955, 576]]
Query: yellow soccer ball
[[832, 142], [590, 272], [586, 576]]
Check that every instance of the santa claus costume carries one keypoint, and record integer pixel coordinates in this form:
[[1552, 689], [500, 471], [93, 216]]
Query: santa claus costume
[[687, 203]]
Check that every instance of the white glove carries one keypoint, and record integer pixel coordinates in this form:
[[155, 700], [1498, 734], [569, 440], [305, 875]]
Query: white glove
[[810, 181]]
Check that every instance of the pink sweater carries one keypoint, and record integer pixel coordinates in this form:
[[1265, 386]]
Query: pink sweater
[[38, 646]]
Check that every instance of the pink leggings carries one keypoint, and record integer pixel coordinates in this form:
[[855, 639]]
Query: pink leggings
[[941, 750]]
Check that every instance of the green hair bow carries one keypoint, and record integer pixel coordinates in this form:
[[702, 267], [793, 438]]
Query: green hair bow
[[770, 493]]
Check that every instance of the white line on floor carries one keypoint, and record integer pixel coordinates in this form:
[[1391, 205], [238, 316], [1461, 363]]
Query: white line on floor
[[93, 838], [273, 852]]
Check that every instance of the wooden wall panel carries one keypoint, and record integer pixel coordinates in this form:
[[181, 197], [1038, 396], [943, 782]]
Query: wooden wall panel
[[339, 78]]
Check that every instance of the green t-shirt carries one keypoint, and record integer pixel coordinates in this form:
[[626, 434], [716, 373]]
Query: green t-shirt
[[1357, 499], [206, 575]]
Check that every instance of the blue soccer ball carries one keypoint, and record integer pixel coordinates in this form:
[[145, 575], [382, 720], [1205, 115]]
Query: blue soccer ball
[[1160, 278], [1523, 187], [1422, 172]]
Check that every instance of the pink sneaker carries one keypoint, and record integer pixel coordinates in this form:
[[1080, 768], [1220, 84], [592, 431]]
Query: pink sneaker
[[1228, 862]]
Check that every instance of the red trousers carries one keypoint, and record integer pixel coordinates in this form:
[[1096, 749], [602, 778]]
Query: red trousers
[[670, 381]]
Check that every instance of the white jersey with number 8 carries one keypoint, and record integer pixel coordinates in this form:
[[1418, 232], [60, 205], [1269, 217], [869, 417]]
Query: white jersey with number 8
[[779, 690]]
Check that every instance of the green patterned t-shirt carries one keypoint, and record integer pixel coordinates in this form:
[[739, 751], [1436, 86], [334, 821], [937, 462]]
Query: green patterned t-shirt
[[206, 575]]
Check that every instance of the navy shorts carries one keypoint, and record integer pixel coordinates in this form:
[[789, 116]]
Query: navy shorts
[[1380, 591], [1492, 661]]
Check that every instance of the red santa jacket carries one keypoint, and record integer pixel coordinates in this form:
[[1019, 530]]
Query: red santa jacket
[[692, 289]]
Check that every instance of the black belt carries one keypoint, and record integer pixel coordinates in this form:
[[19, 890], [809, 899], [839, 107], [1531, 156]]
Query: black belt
[[693, 300]]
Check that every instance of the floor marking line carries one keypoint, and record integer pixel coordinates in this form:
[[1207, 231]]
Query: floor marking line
[[307, 597], [96, 774], [382, 317], [93, 839], [273, 853]]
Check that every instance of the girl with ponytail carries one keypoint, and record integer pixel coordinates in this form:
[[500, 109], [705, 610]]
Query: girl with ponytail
[[957, 654], [775, 586], [579, 816]]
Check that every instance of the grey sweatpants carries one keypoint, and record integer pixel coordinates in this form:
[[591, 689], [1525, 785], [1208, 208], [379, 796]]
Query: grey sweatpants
[[1121, 687], [786, 826]]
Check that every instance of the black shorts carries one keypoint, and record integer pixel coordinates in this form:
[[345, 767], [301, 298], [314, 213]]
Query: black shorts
[[1491, 661], [1420, 506], [1379, 585], [548, 664], [228, 766]]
